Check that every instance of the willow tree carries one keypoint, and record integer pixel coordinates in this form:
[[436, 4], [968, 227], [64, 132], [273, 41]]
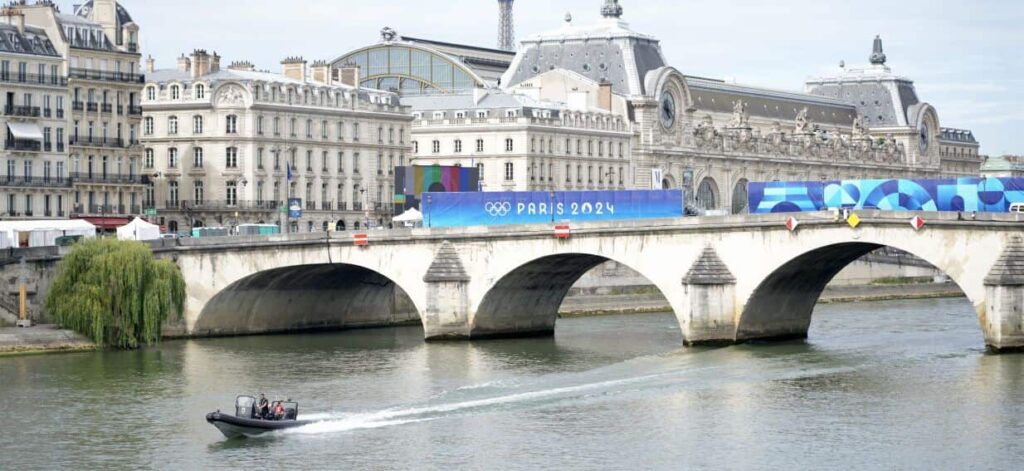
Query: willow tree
[[116, 293]]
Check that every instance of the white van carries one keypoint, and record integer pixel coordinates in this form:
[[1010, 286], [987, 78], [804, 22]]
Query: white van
[[1017, 207]]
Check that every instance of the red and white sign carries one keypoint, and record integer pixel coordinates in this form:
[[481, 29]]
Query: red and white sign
[[563, 231], [792, 223], [361, 239], [917, 222]]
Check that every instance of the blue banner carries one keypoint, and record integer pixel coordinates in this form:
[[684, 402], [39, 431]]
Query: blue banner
[[960, 194], [295, 208], [542, 207]]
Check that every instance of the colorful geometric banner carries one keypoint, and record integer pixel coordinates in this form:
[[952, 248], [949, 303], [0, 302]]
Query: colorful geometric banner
[[961, 194], [411, 182]]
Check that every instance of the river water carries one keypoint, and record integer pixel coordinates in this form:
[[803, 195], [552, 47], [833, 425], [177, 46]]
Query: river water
[[904, 384]]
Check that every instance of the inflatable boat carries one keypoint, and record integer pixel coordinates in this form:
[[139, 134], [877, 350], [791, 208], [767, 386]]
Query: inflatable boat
[[247, 420]]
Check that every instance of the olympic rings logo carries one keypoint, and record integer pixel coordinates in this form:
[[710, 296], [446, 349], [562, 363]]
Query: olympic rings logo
[[498, 209]]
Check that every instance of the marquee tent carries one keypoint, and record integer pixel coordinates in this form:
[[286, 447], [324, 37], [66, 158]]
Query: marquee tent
[[138, 229], [41, 233]]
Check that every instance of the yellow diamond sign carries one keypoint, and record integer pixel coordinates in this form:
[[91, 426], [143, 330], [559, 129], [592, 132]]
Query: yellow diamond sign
[[853, 221]]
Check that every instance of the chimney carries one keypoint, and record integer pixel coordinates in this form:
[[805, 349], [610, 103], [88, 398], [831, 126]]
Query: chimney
[[214, 63], [184, 64], [604, 96], [294, 68], [150, 65], [244, 66], [321, 72], [200, 63], [350, 75]]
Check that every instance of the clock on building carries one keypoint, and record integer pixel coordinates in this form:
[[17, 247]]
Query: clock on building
[[926, 137], [668, 110]]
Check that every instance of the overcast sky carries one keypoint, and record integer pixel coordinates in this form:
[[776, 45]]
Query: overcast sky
[[963, 55]]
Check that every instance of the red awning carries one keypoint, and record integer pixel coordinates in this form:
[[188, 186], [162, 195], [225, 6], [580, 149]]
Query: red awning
[[107, 224]]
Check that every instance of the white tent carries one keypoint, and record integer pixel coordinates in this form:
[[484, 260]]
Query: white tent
[[412, 215], [138, 229], [41, 233]]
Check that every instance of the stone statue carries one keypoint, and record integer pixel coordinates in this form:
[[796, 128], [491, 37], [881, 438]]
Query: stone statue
[[859, 130], [611, 9], [231, 96], [388, 34], [877, 56], [740, 118], [803, 123]]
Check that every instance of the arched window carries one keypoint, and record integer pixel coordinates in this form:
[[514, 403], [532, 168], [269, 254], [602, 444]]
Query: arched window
[[200, 91], [231, 158], [707, 194], [172, 125], [175, 92], [147, 126], [231, 124], [739, 197], [509, 171], [197, 124]]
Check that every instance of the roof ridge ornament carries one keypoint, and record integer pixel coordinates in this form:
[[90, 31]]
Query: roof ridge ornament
[[877, 56], [611, 9], [388, 34]]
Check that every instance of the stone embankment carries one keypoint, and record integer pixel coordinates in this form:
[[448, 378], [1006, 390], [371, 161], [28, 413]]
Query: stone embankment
[[40, 339]]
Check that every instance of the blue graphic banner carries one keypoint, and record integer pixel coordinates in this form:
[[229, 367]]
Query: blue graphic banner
[[960, 194], [294, 208], [542, 207]]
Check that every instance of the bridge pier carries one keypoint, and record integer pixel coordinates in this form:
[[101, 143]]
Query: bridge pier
[[1003, 321], [709, 315], [446, 316]]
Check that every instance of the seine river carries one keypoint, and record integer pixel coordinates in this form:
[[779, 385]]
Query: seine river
[[877, 386]]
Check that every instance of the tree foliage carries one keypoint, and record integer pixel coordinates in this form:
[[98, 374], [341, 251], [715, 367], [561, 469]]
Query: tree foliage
[[116, 293]]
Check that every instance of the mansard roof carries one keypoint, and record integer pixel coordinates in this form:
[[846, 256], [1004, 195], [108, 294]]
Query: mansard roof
[[32, 41]]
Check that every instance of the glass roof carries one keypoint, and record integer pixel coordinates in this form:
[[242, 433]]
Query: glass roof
[[409, 70]]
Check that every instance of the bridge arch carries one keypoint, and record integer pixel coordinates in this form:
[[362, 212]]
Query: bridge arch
[[306, 297], [525, 300], [781, 305]]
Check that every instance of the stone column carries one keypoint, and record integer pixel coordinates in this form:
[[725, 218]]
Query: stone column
[[710, 305], [1003, 322], [447, 309]]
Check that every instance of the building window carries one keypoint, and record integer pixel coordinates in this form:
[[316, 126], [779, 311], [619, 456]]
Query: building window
[[175, 92], [197, 124], [323, 130], [259, 125], [259, 158], [508, 145], [277, 126], [458, 146], [197, 157], [200, 92], [479, 145], [355, 132], [436, 146], [172, 125], [197, 188], [232, 124], [172, 158], [415, 147], [232, 193], [309, 129], [480, 171], [172, 193], [151, 93], [509, 171], [149, 158], [231, 158], [568, 173]]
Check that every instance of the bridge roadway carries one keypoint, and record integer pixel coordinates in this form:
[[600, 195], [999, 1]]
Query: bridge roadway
[[728, 279]]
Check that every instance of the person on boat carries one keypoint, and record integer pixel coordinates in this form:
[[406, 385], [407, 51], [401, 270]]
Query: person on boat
[[264, 407], [279, 411]]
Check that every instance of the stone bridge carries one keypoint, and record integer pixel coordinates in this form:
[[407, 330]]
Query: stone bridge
[[728, 279]]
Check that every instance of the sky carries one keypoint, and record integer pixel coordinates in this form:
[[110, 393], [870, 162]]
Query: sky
[[964, 56]]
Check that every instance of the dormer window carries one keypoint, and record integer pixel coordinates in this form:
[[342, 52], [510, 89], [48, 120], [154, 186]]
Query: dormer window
[[200, 91], [151, 93], [481, 114], [175, 92], [510, 113], [439, 115]]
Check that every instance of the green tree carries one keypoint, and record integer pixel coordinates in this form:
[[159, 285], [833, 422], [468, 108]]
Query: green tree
[[116, 293]]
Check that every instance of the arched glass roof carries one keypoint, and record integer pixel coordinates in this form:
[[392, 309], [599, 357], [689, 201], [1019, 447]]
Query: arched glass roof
[[410, 69]]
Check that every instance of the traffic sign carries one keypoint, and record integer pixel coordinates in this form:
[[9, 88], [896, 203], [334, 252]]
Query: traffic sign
[[361, 239], [150, 212], [562, 231], [792, 223], [917, 222], [853, 220]]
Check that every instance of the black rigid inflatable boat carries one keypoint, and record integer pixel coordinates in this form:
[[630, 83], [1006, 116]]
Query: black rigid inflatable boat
[[247, 422]]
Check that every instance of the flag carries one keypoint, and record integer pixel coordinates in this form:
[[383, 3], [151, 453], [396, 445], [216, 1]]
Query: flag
[[289, 165]]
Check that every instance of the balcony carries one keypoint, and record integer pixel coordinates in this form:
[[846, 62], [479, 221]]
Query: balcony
[[132, 47], [23, 111], [47, 113], [357, 206], [120, 110], [106, 108], [205, 205], [85, 177], [123, 77], [92, 106], [60, 113], [60, 147], [10, 180], [311, 205], [343, 206], [326, 206], [51, 80], [77, 106], [105, 209], [23, 145], [134, 111], [96, 142]]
